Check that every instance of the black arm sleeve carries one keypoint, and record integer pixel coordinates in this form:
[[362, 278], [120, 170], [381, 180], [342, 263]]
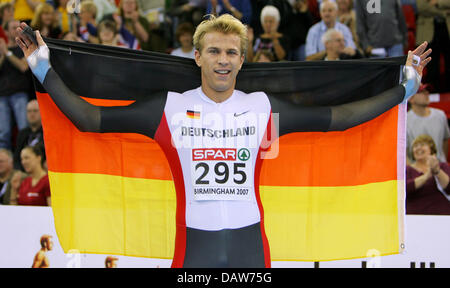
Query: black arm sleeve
[[294, 118], [85, 116], [140, 117], [352, 114]]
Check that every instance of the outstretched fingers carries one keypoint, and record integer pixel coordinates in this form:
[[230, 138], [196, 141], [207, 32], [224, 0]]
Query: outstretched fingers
[[427, 53], [21, 44], [419, 50]]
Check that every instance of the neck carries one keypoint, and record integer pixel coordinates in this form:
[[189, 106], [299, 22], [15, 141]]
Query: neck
[[37, 173], [35, 126], [420, 110], [216, 96], [421, 163], [331, 55], [330, 24]]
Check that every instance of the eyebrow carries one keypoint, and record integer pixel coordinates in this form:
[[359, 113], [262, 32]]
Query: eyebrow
[[217, 48]]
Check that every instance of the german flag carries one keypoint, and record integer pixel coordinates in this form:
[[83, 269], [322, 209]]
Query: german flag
[[193, 114], [327, 196]]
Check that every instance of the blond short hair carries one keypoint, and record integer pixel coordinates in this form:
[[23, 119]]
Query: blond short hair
[[226, 24]]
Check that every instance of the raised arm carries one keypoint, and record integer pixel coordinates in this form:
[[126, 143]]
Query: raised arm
[[84, 116], [342, 117], [140, 117]]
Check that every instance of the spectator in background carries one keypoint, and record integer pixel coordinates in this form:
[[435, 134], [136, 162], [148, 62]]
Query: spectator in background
[[44, 21], [24, 9], [31, 135], [284, 9], [6, 15], [347, 16], [427, 179], [66, 21], [422, 119], [240, 9], [6, 175], [299, 23], [383, 34], [263, 56], [108, 34], [186, 11], [15, 82], [315, 50], [271, 39], [334, 43], [129, 18], [34, 190], [184, 36], [433, 26], [87, 29]]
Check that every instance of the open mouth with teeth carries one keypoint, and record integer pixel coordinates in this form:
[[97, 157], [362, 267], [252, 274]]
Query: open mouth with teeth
[[222, 72]]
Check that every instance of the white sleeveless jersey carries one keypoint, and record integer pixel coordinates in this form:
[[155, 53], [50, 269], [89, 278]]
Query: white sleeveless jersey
[[218, 147]]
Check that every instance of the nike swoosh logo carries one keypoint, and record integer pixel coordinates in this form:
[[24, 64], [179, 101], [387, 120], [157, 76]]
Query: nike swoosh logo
[[239, 114]]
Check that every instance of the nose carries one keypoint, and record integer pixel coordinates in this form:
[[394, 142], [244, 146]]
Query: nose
[[223, 58]]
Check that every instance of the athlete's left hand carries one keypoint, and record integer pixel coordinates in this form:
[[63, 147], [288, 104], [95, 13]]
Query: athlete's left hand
[[424, 59]]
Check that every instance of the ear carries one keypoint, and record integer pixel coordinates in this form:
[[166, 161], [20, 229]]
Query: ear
[[242, 60], [197, 56]]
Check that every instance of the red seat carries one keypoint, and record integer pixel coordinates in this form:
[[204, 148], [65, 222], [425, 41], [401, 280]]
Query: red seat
[[410, 18]]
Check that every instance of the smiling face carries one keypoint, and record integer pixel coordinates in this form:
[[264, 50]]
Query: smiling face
[[220, 61], [30, 161], [421, 151]]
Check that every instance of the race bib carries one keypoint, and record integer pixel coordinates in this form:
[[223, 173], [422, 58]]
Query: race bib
[[222, 174]]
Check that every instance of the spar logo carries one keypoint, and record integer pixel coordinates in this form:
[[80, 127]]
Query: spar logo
[[243, 154], [214, 154]]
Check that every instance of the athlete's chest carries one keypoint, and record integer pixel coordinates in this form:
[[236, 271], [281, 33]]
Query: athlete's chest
[[196, 122], [218, 143]]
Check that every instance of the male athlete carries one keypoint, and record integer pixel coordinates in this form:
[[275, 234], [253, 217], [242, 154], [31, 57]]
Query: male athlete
[[212, 137], [40, 259]]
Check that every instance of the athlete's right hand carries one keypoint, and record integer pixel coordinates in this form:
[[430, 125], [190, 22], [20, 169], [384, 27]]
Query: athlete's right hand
[[25, 43], [37, 55]]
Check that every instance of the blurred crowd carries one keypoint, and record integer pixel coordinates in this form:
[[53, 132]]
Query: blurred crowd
[[278, 30]]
